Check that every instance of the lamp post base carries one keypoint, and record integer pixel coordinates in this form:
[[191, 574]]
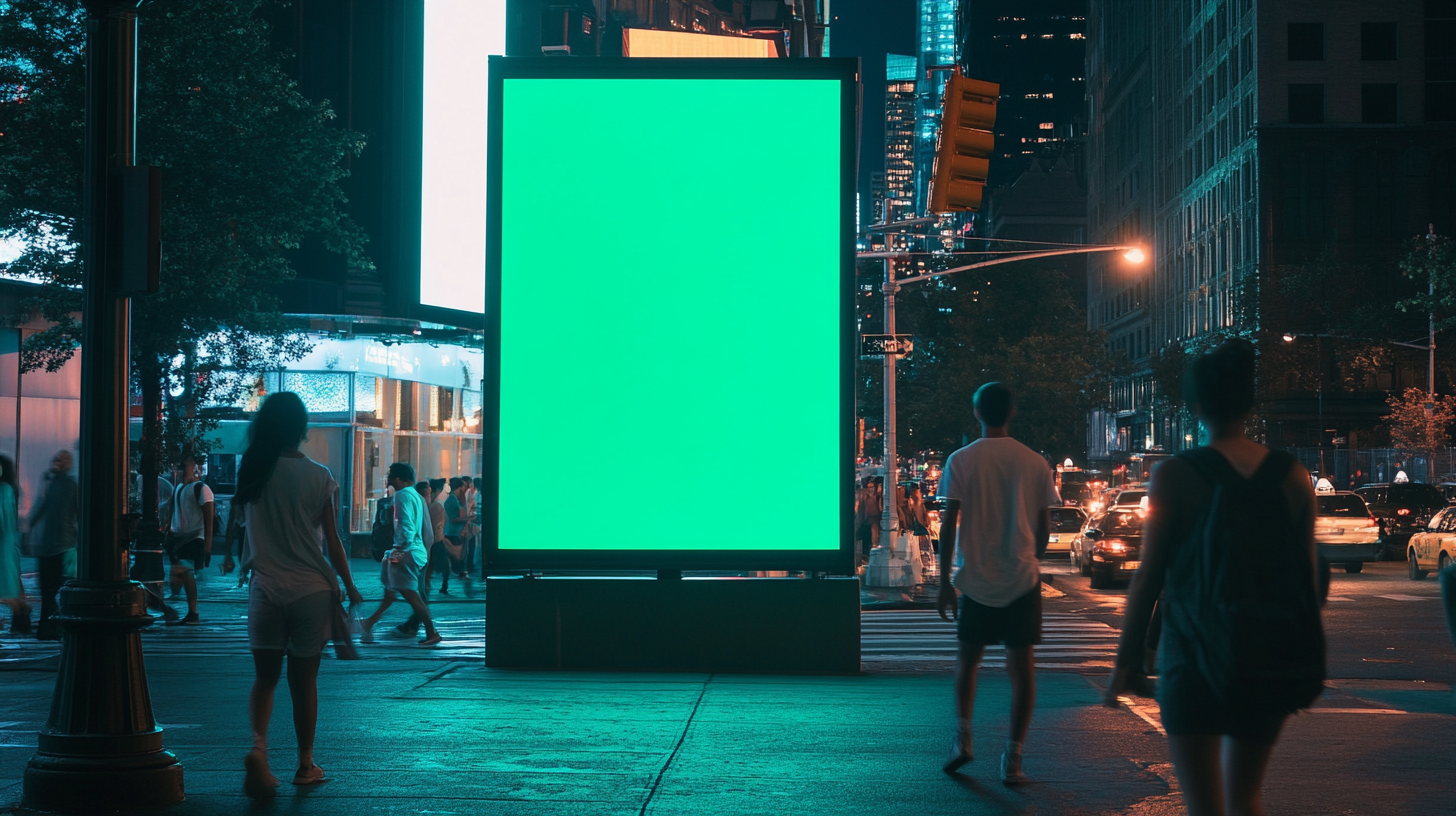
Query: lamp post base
[[101, 751]]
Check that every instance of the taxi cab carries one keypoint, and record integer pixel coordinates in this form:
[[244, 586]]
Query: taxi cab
[[1345, 530], [1434, 547]]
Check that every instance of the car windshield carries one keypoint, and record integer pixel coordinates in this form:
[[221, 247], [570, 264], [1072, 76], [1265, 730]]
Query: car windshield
[[1064, 519], [1342, 506], [1130, 496], [1416, 495], [1121, 524]]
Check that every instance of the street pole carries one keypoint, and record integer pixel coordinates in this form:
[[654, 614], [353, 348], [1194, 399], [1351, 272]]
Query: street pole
[[101, 749], [1431, 318]]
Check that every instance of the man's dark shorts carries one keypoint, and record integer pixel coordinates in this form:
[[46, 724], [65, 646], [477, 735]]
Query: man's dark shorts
[[189, 554], [1017, 625]]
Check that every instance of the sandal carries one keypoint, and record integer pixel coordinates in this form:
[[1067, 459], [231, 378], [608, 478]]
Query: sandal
[[312, 775], [258, 781]]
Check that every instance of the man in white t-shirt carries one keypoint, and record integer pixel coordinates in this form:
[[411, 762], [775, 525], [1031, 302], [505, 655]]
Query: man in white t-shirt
[[189, 534], [1004, 489]]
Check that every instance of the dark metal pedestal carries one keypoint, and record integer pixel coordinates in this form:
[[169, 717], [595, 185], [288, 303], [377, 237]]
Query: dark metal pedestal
[[101, 750], [718, 625]]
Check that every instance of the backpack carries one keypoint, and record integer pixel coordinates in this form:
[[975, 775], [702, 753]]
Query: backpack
[[381, 535], [1248, 603], [173, 539]]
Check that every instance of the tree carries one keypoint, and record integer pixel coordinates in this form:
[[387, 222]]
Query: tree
[[1420, 423], [250, 168]]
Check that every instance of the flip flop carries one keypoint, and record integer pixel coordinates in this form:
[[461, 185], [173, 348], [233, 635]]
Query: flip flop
[[311, 775], [258, 781]]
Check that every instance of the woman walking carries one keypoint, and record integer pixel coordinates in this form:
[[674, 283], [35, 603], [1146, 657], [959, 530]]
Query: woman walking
[[12, 593], [1229, 545], [289, 504]]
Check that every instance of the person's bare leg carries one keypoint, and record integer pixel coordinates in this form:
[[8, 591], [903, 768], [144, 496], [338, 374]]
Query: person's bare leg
[[303, 688], [966, 666], [422, 611], [1244, 764], [267, 666], [1020, 665], [189, 585], [1196, 761], [383, 607]]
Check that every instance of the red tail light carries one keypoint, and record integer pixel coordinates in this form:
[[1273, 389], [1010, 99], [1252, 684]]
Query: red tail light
[[1404, 511]]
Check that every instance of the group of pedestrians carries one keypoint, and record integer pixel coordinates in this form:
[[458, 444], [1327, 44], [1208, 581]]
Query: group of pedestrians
[[52, 539], [1241, 643]]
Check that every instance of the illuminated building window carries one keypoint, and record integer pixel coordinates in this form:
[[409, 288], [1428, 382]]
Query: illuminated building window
[[321, 393], [368, 398], [1045, 125], [1077, 36]]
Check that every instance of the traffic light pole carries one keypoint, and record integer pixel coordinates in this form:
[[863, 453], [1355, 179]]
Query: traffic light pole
[[890, 567], [101, 749]]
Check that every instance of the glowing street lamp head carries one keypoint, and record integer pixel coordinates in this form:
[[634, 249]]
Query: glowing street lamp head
[[1288, 337], [1135, 255]]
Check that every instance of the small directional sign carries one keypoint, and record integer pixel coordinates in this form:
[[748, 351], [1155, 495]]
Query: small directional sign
[[880, 345]]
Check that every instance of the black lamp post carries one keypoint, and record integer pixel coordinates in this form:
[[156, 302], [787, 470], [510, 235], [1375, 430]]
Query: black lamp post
[[101, 749]]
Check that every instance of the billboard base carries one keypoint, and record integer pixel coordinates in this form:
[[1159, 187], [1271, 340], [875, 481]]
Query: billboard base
[[709, 625]]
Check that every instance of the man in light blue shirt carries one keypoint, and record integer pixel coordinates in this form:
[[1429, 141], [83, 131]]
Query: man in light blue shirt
[[400, 569]]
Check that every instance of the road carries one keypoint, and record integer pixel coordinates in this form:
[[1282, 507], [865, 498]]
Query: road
[[411, 729]]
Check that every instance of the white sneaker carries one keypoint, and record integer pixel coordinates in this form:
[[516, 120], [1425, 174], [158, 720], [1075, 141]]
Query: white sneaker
[[366, 632], [1011, 770]]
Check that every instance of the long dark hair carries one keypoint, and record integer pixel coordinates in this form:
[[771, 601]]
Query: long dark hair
[[280, 425], [8, 474]]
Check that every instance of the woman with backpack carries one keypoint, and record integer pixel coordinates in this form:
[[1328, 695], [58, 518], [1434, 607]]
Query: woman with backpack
[[289, 505], [1228, 544]]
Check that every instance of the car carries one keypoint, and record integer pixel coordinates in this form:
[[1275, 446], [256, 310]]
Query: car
[[1108, 549], [1404, 508], [1448, 489], [1345, 530], [1131, 497], [1434, 547], [1066, 524]]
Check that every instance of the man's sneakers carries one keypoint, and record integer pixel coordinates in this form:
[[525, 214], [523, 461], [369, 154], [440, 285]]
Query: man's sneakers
[[1011, 774], [190, 620]]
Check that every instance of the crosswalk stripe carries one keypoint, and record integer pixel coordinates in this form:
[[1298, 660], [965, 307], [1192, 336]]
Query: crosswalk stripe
[[1068, 641]]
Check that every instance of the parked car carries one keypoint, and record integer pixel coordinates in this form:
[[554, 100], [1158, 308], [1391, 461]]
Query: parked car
[[1403, 508], [1109, 548], [1066, 523], [1434, 547], [1448, 489], [1345, 530]]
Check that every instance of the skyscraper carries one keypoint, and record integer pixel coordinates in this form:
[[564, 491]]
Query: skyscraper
[[1036, 50], [936, 39], [901, 102], [1236, 140]]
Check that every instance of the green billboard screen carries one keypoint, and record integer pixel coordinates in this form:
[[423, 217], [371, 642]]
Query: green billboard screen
[[671, 314]]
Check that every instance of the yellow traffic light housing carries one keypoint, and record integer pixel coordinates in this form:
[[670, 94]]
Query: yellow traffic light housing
[[963, 149]]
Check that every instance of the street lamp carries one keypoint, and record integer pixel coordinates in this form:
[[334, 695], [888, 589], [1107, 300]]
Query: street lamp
[[906, 571]]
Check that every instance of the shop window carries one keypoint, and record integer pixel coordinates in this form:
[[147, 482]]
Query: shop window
[[470, 409], [404, 406], [321, 393], [367, 396]]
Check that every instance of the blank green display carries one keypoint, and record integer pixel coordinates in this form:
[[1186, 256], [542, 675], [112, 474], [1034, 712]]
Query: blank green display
[[671, 315]]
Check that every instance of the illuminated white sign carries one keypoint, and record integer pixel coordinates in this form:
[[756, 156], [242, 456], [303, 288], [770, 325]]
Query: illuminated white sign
[[460, 36]]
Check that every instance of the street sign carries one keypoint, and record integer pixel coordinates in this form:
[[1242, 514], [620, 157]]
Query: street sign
[[879, 345]]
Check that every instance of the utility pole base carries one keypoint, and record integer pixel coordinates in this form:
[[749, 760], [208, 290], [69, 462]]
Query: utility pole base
[[892, 565], [101, 751]]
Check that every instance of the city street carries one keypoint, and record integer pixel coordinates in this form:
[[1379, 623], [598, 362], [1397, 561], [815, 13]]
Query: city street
[[411, 730]]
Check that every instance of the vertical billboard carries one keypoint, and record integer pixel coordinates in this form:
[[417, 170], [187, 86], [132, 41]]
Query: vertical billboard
[[460, 37], [670, 321]]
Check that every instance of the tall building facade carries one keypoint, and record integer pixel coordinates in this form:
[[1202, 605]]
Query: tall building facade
[[936, 43], [1235, 138], [901, 101], [1037, 51]]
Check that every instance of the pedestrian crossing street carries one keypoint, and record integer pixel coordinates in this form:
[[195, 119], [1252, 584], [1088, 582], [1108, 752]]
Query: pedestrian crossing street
[[920, 635], [225, 634]]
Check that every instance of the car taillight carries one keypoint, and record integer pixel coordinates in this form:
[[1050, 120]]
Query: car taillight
[[1404, 511], [1112, 545]]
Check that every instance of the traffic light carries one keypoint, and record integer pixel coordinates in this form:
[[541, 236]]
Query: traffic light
[[963, 150]]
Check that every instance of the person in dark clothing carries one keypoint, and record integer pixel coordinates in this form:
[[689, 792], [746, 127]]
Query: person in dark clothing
[[55, 518], [1222, 723]]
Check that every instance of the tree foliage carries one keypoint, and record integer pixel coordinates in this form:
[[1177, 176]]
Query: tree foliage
[[249, 169], [1418, 422], [1017, 323]]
